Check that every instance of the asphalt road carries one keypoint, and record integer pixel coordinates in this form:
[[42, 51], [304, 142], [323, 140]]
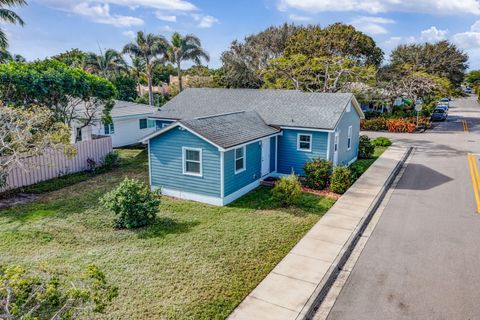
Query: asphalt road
[[423, 258]]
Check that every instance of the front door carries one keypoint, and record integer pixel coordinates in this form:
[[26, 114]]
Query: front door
[[335, 149], [265, 156]]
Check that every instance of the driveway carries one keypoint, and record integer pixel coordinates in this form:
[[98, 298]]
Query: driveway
[[423, 259]]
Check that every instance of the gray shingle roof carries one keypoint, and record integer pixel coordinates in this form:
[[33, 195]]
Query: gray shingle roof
[[276, 107], [228, 130], [128, 109]]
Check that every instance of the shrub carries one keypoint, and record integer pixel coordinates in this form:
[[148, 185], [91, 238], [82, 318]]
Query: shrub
[[402, 125], [111, 160], [381, 142], [375, 124], [133, 203], [365, 147], [371, 114], [287, 190], [317, 173], [341, 179]]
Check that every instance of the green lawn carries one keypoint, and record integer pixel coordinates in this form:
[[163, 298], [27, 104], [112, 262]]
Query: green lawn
[[361, 165], [196, 262]]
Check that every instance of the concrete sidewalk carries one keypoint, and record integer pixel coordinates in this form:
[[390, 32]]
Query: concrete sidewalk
[[290, 290]]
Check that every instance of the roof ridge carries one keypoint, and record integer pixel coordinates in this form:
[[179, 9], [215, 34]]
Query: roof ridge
[[219, 114]]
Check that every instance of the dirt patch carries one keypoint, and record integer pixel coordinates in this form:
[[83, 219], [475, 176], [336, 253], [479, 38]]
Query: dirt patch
[[19, 198], [324, 193]]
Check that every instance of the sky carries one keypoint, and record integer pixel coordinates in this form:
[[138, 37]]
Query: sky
[[54, 26]]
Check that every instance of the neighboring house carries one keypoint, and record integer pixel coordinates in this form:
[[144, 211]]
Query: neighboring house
[[215, 145], [129, 123]]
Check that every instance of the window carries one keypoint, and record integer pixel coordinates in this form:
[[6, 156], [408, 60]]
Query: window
[[192, 161], [109, 128], [240, 163], [146, 123], [304, 142], [349, 140], [165, 124]]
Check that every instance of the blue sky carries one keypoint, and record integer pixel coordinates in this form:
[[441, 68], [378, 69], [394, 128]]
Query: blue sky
[[54, 26]]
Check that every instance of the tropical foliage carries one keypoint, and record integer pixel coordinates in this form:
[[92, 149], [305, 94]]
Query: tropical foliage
[[9, 16]]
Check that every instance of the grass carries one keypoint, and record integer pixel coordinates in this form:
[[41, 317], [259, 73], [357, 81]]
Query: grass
[[361, 165], [195, 262]]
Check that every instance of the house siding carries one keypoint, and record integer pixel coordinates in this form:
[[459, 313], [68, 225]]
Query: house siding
[[350, 118], [272, 153], [234, 182], [127, 131], [167, 167], [289, 158]]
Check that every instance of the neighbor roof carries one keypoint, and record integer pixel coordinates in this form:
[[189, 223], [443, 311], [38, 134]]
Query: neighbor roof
[[129, 109], [276, 107], [224, 130]]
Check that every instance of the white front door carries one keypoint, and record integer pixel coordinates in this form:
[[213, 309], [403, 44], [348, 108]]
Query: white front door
[[335, 149], [265, 156]]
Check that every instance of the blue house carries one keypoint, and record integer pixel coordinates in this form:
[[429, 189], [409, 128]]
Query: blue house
[[215, 145]]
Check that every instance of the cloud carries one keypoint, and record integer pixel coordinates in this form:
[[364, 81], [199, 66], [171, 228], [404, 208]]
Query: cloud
[[205, 21], [129, 34], [437, 7], [296, 17], [371, 25], [433, 34], [171, 5], [469, 39], [101, 14], [169, 18]]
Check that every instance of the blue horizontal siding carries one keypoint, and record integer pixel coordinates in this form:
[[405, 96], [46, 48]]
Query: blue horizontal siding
[[234, 182], [167, 167], [289, 158]]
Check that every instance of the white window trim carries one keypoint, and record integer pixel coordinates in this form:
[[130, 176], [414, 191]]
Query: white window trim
[[349, 138], [165, 124], [244, 160], [110, 126], [298, 142], [184, 164]]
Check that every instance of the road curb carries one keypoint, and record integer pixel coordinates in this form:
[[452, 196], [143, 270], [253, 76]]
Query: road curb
[[329, 279]]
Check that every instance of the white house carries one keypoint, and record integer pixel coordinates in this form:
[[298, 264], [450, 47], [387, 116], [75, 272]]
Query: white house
[[129, 123]]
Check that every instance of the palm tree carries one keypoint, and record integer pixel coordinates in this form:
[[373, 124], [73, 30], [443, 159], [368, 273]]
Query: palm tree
[[6, 56], [105, 63], [152, 49], [188, 48], [8, 16], [137, 70]]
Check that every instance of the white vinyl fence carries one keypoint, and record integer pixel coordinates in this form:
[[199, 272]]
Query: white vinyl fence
[[53, 164]]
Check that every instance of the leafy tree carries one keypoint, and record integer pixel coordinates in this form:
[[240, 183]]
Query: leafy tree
[[71, 94], [199, 71], [186, 48], [337, 39], [9, 16], [315, 74], [162, 73], [74, 58], [443, 59], [106, 63], [39, 295], [151, 49], [243, 60], [473, 77], [28, 133], [126, 86]]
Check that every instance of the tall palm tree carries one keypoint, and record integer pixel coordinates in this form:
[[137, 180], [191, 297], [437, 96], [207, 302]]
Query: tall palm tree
[[137, 70], [8, 16], [187, 48], [105, 63], [152, 49]]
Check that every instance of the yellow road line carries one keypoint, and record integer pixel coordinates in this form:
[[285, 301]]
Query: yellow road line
[[475, 179]]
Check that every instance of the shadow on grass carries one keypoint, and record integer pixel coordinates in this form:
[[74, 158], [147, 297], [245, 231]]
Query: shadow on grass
[[261, 199], [165, 226]]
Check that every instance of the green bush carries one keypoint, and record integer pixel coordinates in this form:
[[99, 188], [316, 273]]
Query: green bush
[[381, 142], [341, 179], [111, 160], [375, 124], [287, 190], [317, 173], [133, 203], [365, 148]]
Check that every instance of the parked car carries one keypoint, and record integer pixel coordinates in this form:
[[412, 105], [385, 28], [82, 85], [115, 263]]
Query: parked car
[[468, 90], [444, 101], [443, 106], [439, 114]]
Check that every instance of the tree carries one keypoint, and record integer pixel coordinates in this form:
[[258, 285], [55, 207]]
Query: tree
[[162, 73], [337, 39], [9, 16], [243, 60], [152, 49], [74, 58], [187, 48], [443, 59], [315, 74], [26, 133], [42, 295], [106, 63], [6, 56], [126, 86], [473, 77], [71, 94]]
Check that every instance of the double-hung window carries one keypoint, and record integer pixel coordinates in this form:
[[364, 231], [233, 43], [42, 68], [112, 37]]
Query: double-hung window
[[145, 123], [108, 128], [349, 140], [240, 159], [192, 161], [304, 142]]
